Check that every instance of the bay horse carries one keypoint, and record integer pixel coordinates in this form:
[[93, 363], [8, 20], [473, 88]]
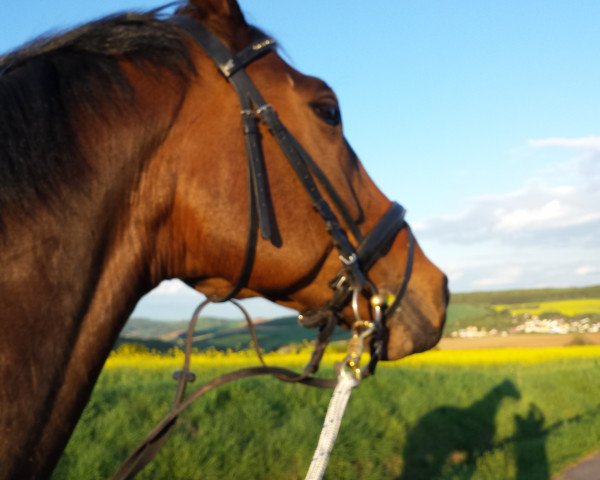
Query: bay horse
[[122, 164]]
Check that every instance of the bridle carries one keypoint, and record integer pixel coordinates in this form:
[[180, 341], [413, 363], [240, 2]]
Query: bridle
[[349, 283], [352, 280]]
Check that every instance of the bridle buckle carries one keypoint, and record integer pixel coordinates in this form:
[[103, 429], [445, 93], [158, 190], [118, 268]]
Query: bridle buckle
[[349, 261]]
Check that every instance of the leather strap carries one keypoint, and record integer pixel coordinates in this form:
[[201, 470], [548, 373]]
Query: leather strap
[[379, 239], [157, 437], [251, 100], [370, 250]]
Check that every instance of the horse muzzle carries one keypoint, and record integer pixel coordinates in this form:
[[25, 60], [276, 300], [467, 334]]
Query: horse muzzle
[[418, 323]]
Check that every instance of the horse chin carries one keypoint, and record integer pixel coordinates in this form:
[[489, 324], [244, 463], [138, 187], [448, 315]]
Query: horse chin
[[414, 328]]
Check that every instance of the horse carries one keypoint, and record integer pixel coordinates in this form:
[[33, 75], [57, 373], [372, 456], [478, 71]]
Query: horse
[[122, 164]]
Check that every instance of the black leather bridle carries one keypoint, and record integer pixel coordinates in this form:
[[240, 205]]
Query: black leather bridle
[[349, 283], [352, 279]]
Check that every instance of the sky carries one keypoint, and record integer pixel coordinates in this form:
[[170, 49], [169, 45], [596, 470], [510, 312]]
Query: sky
[[481, 118]]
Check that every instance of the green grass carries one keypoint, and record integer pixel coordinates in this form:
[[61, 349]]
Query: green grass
[[501, 421]]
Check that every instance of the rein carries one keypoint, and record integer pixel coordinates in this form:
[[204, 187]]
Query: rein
[[350, 283], [348, 378]]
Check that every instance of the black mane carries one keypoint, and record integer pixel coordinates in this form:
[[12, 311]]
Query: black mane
[[41, 83]]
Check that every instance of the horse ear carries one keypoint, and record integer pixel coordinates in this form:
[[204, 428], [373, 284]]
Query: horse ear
[[222, 17], [223, 9]]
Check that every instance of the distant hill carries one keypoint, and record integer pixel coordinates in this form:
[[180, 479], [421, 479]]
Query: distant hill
[[523, 296], [145, 328], [218, 333], [478, 309]]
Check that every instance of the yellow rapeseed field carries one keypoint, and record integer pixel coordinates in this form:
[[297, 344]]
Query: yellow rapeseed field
[[147, 360], [495, 356]]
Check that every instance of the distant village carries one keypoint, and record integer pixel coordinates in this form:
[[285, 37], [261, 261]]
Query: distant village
[[532, 324]]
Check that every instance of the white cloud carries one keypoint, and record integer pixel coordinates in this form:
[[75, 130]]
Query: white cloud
[[586, 270], [544, 233], [559, 205], [589, 143], [174, 287], [526, 218], [505, 276]]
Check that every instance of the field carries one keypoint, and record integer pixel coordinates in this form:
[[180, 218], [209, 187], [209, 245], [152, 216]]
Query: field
[[468, 410], [570, 308], [504, 310], [520, 341], [483, 414]]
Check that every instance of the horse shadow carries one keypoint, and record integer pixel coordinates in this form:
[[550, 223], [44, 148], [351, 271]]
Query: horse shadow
[[530, 448], [448, 439]]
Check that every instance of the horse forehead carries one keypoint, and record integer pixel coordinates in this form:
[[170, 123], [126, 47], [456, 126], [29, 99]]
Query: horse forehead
[[277, 73], [307, 83], [312, 87]]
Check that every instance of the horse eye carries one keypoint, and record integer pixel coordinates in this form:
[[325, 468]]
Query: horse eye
[[328, 112]]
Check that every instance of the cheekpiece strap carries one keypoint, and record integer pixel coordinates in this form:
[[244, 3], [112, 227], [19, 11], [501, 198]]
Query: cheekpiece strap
[[227, 62]]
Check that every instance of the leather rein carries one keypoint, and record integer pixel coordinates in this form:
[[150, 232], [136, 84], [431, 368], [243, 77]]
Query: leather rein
[[348, 285]]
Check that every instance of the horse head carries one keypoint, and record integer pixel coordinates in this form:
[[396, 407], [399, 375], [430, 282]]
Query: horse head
[[204, 241]]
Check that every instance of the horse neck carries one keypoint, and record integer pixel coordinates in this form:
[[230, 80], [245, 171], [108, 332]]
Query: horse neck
[[72, 275]]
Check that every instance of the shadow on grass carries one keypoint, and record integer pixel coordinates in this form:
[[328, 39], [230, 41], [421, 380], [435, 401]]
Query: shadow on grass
[[448, 440], [530, 448]]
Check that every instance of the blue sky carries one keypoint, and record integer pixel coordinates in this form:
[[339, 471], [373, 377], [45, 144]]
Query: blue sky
[[482, 118]]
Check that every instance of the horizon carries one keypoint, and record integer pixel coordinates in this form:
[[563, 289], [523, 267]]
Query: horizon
[[257, 308]]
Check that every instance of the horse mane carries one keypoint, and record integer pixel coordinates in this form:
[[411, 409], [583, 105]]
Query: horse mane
[[42, 83]]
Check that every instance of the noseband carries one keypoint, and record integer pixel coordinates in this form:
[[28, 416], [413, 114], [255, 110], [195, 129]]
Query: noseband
[[352, 280]]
